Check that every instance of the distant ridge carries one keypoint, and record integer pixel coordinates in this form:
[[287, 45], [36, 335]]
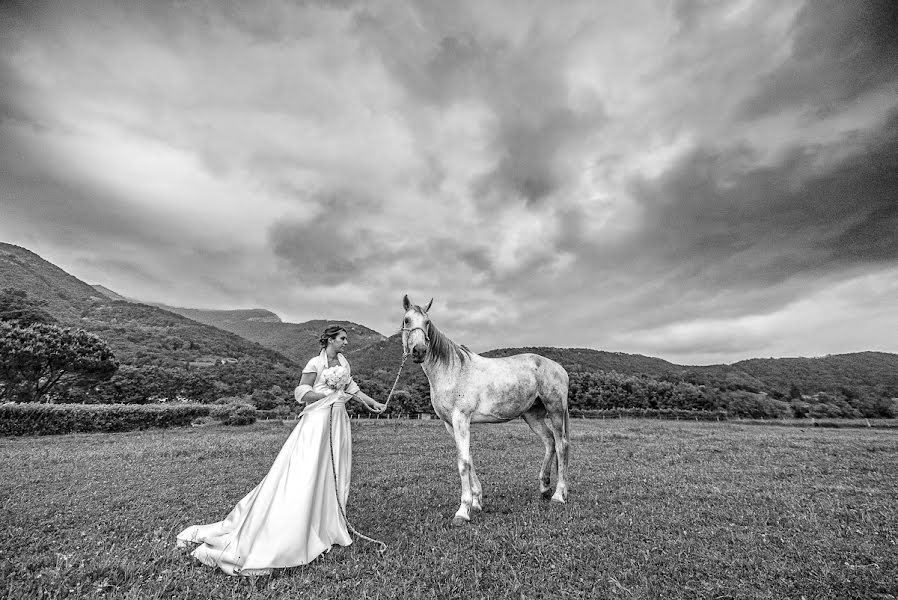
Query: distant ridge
[[586, 359], [864, 371], [139, 334], [22, 269], [298, 341], [213, 316], [109, 293], [155, 335], [852, 370]]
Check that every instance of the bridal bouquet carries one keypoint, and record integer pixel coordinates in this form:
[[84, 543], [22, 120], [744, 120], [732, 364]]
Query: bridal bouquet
[[336, 378]]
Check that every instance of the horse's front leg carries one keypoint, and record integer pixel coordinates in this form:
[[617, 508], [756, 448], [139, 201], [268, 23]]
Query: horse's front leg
[[461, 428], [476, 488]]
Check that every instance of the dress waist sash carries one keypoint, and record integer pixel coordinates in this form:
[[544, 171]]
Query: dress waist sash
[[329, 400]]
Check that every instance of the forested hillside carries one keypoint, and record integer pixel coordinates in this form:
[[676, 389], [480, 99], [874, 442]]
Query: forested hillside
[[297, 341], [862, 371], [149, 343], [204, 355]]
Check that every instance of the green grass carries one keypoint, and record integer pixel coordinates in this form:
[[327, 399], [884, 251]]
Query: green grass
[[657, 509]]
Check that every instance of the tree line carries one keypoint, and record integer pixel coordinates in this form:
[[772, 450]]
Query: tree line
[[42, 361], [611, 390]]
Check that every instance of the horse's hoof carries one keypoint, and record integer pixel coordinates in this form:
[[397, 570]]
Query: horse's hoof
[[477, 506], [459, 522], [558, 499], [546, 492]]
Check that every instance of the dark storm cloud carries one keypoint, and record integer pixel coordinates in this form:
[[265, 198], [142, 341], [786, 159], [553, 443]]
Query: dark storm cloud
[[331, 246], [120, 241], [71, 212], [335, 247], [531, 152], [13, 97], [840, 51], [741, 225], [724, 235], [337, 244], [319, 254], [689, 13], [533, 120]]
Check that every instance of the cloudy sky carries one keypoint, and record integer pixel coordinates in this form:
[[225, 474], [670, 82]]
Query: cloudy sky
[[700, 180]]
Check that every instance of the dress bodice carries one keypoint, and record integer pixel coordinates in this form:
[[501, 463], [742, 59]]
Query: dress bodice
[[318, 364]]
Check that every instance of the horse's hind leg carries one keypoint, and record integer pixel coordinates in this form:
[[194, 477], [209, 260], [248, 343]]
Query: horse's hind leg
[[559, 424], [535, 419]]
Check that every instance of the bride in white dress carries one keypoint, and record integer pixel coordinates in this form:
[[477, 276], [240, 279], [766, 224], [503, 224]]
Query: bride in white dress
[[292, 515]]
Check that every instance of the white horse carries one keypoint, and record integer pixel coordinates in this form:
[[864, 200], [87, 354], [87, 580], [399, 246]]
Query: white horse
[[468, 388]]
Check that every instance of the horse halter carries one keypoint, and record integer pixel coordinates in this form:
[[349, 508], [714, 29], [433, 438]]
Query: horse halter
[[405, 351]]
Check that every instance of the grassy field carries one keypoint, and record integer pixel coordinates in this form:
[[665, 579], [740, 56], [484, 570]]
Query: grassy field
[[657, 509]]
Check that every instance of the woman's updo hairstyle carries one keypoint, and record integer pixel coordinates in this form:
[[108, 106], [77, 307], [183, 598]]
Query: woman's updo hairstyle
[[330, 333]]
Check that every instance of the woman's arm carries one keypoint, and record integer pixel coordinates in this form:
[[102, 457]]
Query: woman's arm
[[311, 396], [372, 404], [308, 379]]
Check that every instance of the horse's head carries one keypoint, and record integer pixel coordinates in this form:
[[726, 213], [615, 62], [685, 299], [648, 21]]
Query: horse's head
[[415, 329]]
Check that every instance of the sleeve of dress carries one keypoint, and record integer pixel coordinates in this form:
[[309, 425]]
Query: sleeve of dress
[[352, 387], [303, 389], [311, 366]]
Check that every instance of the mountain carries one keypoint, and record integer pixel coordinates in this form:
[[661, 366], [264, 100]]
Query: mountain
[[875, 372], [858, 370], [585, 359], [297, 341], [386, 355], [64, 294], [146, 335], [379, 362], [109, 293], [217, 318], [384, 358], [139, 334]]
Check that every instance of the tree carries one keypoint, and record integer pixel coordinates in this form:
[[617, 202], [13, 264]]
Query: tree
[[15, 305], [794, 392], [36, 358], [401, 403], [266, 399]]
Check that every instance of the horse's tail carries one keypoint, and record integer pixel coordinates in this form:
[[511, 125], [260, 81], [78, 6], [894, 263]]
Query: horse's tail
[[566, 423], [566, 427]]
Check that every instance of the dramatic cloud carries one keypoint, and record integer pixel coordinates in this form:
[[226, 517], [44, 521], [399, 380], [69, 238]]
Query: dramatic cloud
[[698, 180], [840, 52]]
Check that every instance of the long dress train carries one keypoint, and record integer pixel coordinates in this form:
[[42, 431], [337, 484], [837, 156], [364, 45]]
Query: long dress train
[[292, 515]]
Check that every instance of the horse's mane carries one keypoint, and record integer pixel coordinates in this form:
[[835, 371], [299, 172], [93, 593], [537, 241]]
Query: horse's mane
[[443, 349]]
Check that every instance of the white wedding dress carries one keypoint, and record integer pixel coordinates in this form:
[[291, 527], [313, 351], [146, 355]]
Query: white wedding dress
[[292, 515]]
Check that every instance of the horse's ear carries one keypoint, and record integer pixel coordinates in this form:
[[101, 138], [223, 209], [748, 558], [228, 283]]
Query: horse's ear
[[406, 304], [427, 308]]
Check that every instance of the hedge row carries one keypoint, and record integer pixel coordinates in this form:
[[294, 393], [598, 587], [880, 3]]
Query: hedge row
[[51, 419], [235, 414], [651, 413], [281, 412]]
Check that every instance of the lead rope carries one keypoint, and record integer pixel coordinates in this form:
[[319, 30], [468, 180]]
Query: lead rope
[[330, 431], [395, 381], [330, 425]]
